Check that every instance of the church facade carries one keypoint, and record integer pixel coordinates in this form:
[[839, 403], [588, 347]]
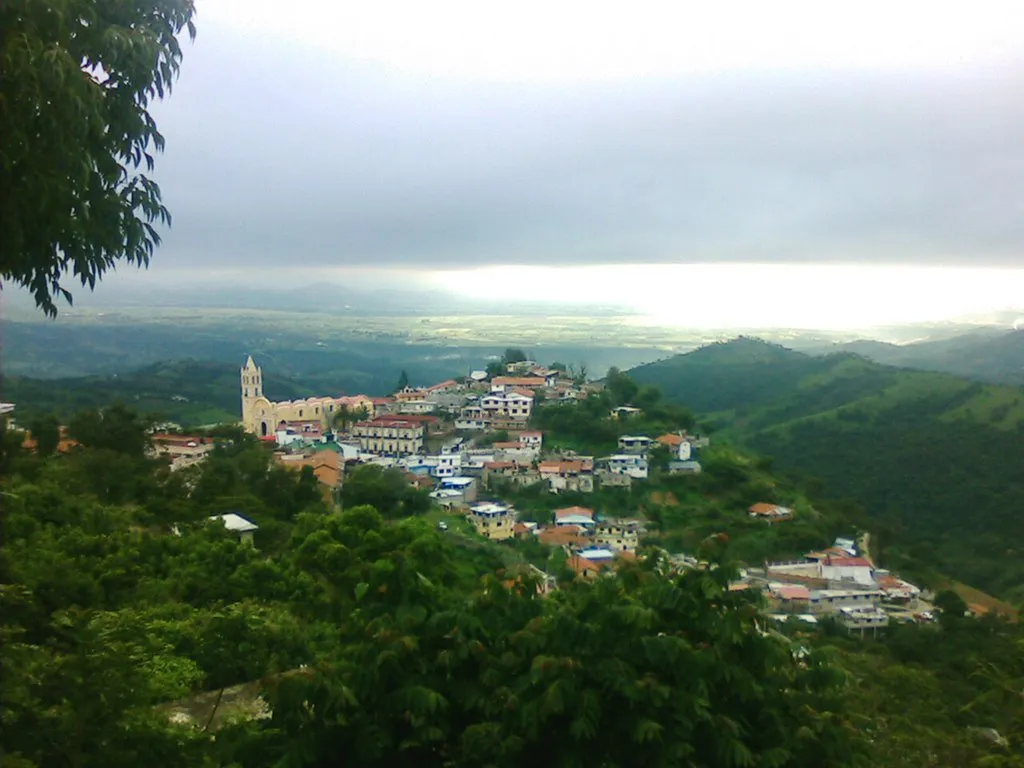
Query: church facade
[[263, 417]]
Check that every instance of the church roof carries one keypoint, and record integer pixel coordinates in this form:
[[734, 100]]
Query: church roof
[[249, 363]]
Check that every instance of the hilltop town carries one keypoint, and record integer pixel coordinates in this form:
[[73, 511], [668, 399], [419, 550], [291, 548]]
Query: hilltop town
[[472, 445]]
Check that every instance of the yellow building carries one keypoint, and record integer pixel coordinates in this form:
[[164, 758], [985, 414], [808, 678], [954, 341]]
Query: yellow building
[[390, 436], [492, 521], [262, 417]]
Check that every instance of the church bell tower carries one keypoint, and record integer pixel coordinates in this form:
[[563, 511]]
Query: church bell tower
[[252, 389]]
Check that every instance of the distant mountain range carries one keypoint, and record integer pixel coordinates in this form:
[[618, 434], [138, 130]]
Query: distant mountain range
[[990, 355], [937, 460]]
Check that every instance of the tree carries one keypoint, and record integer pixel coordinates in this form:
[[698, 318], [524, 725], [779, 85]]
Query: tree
[[495, 368], [556, 366], [116, 428], [386, 490], [403, 382], [952, 607], [513, 355], [45, 430], [620, 386], [345, 416], [76, 136], [634, 670], [581, 374]]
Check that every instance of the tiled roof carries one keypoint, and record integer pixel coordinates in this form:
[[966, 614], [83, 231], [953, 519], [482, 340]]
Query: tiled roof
[[585, 567], [671, 440], [415, 418], [791, 592], [518, 381], [566, 536], [443, 385], [763, 508], [848, 562], [570, 511], [566, 466]]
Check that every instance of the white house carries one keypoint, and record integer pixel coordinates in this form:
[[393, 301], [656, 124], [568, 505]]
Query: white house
[[238, 525], [507, 405], [855, 569], [633, 465], [464, 486], [418, 407]]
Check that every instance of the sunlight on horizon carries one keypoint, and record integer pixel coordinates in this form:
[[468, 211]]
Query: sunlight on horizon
[[830, 297]]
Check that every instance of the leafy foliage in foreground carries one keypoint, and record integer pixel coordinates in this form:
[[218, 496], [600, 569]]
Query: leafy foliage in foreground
[[76, 81]]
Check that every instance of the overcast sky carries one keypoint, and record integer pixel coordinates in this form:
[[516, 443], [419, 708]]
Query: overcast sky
[[454, 135], [793, 163]]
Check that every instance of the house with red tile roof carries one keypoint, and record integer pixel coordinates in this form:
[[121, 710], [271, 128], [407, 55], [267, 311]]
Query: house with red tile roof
[[580, 516], [504, 383], [770, 513], [568, 475], [589, 567], [569, 537]]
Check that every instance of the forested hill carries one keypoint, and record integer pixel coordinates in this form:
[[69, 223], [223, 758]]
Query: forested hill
[[937, 460], [994, 356], [189, 392]]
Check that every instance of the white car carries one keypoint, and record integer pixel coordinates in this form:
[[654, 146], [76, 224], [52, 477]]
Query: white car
[[442, 526]]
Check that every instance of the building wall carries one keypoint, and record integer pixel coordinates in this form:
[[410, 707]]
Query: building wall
[[389, 439], [620, 538], [496, 528], [260, 416]]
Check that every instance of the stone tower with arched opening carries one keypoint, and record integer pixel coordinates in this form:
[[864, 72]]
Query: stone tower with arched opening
[[252, 396]]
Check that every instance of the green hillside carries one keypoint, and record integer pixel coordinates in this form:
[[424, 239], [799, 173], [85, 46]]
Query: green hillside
[[189, 392], [133, 626], [937, 461], [993, 356]]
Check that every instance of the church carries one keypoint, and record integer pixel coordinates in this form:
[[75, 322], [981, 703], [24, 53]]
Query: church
[[263, 417]]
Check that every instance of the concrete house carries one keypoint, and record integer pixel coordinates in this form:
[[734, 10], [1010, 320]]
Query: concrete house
[[634, 465], [568, 475], [492, 521], [618, 535], [635, 444]]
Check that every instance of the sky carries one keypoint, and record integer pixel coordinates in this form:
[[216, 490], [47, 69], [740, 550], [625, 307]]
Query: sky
[[640, 151]]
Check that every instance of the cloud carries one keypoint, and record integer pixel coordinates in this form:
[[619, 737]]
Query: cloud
[[317, 157]]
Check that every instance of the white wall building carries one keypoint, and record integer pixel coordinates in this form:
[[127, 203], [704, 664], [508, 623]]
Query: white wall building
[[634, 465], [507, 405]]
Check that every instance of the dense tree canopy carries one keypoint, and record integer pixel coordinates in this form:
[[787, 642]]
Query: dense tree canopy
[[378, 640], [76, 136]]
